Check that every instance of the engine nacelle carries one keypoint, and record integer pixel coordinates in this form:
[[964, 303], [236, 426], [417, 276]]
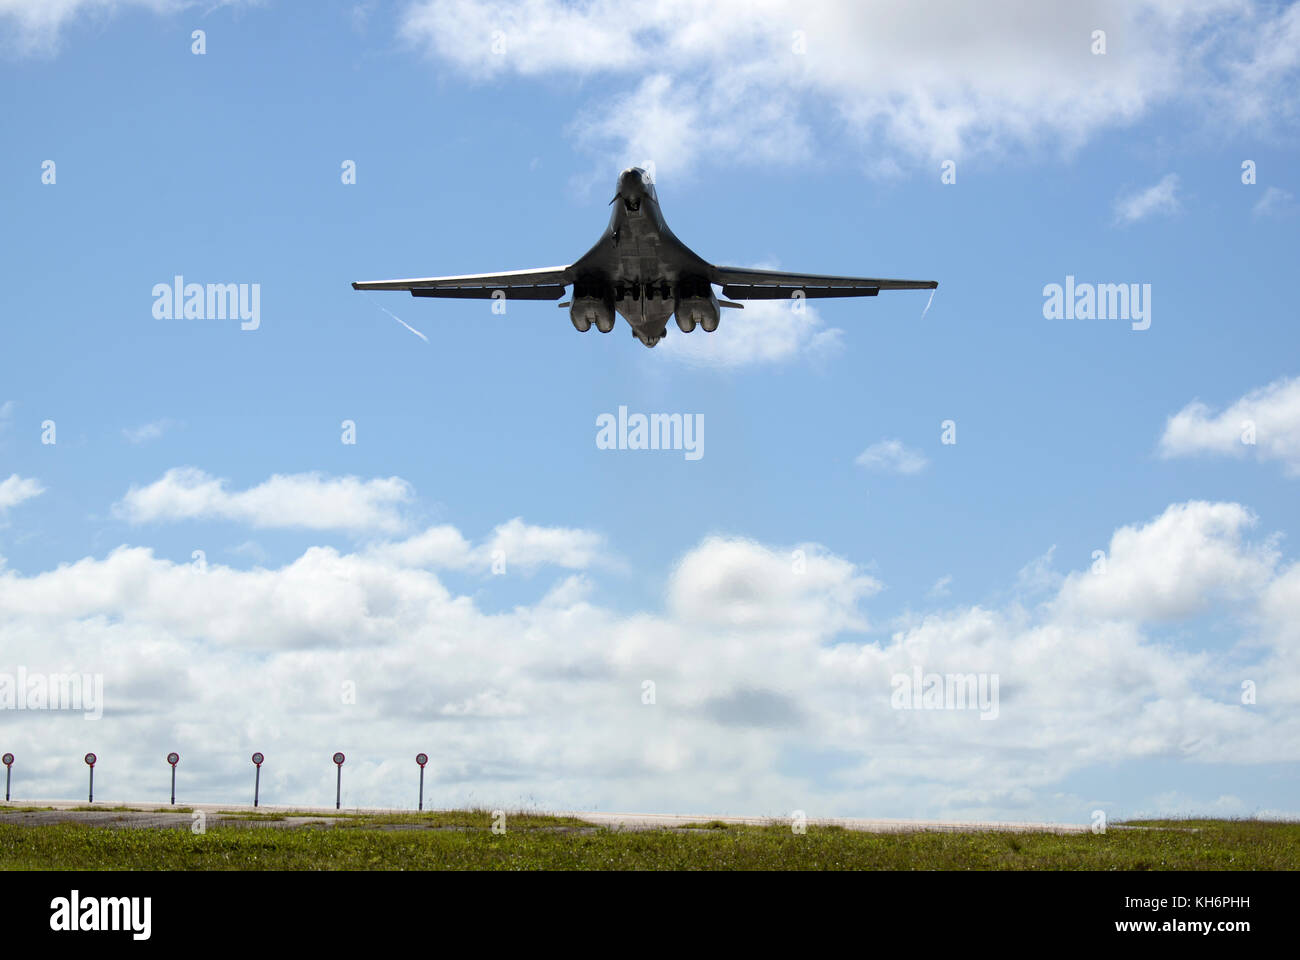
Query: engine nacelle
[[591, 304], [696, 303]]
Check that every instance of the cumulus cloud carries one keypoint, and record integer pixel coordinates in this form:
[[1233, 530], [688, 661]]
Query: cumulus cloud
[[1268, 58], [677, 121], [941, 587], [685, 80], [1039, 575], [16, 490], [735, 582], [1274, 202], [892, 456], [511, 545], [1265, 423], [147, 431], [305, 500], [757, 654], [527, 546], [765, 332], [38, 25], [1159, 199], [1183, 563], [440, 546]]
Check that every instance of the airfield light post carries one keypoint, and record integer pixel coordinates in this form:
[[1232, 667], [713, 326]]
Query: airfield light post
[[9, 763], [173, 759], [421, 759], [90, 759], [257, 777], [338, 790]]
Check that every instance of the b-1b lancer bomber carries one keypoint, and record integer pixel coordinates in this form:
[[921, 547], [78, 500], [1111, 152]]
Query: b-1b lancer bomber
[[641, 271]]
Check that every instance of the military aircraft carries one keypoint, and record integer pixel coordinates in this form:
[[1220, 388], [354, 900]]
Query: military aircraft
[[639, 269]]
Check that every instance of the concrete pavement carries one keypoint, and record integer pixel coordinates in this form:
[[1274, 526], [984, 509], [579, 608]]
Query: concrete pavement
[[153, 814]]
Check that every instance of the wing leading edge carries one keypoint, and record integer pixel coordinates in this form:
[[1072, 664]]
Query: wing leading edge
[[544, 283], [742, 283]]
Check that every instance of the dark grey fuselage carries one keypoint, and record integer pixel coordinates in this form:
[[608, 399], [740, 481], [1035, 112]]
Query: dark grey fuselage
[[640, 271], [638, 264]]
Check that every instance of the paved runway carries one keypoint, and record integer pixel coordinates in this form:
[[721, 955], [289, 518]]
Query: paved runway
[[156, 815], [651, 821]]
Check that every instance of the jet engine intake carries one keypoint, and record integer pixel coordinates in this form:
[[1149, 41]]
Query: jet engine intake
[[592, 303], [696, 303]]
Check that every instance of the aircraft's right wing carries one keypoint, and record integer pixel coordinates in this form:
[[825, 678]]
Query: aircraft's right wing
[[744, 283], [545, 283]]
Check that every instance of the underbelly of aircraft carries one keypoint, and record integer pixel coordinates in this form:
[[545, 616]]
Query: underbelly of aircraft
[[648, 317], [643, 284]]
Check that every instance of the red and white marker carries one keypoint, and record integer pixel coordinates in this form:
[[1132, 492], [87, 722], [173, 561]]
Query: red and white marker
[[421, 759], [173, 758], [338, 790], [257, 777]]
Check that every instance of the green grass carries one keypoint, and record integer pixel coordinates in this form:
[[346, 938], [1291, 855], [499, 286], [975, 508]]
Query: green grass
[[469, 819], [535, 841]]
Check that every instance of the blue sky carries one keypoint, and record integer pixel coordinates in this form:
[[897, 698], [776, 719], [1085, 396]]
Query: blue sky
[[225, 167]]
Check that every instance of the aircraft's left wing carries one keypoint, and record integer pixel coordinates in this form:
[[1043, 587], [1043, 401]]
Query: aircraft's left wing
[[545, 283], [743, 283]]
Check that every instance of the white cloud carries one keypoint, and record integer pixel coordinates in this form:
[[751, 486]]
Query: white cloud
[[1183, 563], [522, 545], [147, 431], [486, 703], [892, 456], [306, 500], [1274, 202], [1039, 576], [675, 121], [734, 582], [765, 332], [38, 24], [516, 544], [686, 80], [441, 546], [1268, 416], [1260, 83], [251, 549], [754, 658], [1160, 199], [16, 490]]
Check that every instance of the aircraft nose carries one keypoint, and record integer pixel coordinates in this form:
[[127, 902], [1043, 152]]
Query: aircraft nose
[[630, 184]]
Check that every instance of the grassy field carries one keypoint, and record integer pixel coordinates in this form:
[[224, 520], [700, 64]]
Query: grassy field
[[464, 841]]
